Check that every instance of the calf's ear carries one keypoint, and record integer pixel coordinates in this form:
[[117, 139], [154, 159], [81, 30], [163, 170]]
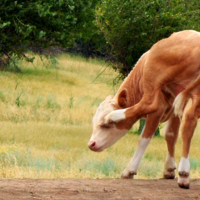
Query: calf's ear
[[122, 98]]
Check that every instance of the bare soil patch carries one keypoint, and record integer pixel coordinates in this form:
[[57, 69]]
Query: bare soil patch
[[60, 189]]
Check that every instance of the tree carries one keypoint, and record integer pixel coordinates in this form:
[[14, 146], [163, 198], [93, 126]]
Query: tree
[[43, 23], [131, 27]]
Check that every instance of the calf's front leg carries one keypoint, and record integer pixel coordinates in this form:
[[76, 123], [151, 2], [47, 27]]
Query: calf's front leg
[[133, 165], [149, 104], [115, 116], [145, 138]]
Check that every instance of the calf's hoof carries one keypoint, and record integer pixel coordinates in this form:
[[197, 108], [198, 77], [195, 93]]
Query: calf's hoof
[[184, 180], [169, 173], [129, 175], [184, 186]]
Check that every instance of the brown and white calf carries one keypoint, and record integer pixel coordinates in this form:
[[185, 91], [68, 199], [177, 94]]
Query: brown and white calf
[[158, 89]]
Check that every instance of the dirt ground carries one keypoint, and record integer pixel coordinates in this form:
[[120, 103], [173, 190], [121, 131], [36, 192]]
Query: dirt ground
[[60, 189]]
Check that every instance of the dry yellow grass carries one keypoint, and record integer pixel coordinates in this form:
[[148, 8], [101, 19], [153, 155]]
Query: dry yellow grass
[[45, 122], [55, 94]]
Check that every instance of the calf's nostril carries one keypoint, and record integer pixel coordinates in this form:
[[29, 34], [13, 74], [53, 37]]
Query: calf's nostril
[[92, 144]]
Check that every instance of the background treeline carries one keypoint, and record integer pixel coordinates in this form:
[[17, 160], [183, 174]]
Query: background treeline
[[34, 24], [118, 30], [131, 27]]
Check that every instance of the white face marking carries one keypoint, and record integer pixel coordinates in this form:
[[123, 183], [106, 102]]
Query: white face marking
[[104, 108], [184, 165], [105, 136], [115, 116]]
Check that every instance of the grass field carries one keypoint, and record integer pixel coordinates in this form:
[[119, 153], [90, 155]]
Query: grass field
[[45, 121]]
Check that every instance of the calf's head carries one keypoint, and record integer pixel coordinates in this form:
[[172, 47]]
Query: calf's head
[[105, 135]]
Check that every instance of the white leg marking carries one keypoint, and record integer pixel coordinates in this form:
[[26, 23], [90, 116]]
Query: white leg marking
[[115, 116], [166, 130], [184, 164], [184, 172], [169, 162], [170, 166], [132, 167]]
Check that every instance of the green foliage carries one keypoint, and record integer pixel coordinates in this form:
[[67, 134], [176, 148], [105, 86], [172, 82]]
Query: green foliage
[[71, 101], [150, 167], [43, 23], [194, 163], [18, 101], [2, 96], [28, 159], [52, 102], [132, 27], [106, 166]]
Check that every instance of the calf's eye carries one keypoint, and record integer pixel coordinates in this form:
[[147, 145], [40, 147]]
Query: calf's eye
[[104, 126]]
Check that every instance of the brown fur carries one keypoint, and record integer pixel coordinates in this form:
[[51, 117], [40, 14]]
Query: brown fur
[[170, 67], [159, 87]]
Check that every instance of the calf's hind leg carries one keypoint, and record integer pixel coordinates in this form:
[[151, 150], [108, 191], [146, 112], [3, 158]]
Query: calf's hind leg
[[171, 134], [189, 126]]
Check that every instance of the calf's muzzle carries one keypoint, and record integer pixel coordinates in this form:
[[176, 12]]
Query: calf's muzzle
[[92, 145]]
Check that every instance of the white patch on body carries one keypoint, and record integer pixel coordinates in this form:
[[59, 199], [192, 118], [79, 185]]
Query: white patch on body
[[115, 116], [135, 161]]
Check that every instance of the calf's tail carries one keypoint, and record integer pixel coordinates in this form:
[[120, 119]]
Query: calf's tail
[[180, 102]]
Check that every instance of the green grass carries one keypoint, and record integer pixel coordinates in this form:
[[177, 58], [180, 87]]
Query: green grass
[[45, 120]]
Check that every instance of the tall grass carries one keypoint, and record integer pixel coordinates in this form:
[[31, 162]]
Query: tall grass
[[45, 122]]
